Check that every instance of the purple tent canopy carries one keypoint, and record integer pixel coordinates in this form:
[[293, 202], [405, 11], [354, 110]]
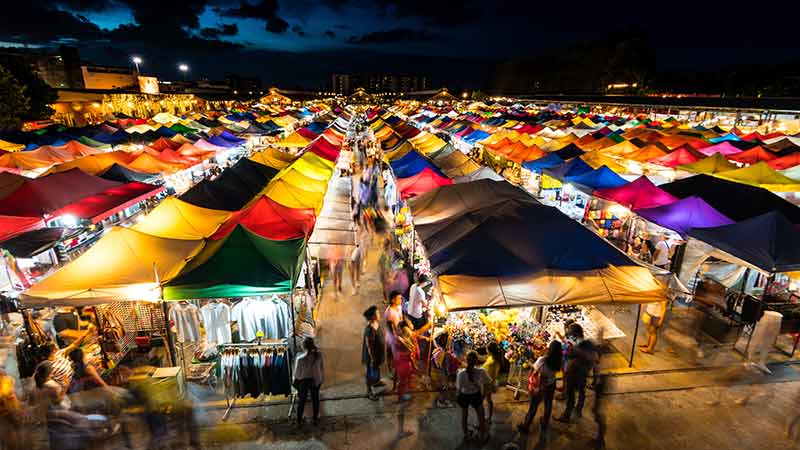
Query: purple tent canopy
[[683, 215]]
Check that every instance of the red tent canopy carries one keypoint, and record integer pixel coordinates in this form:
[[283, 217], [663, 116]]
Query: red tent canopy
[[324, 149], [270, 220], [639, 193], [163, 143], [785, 162], [111, 201], [752, 155], [676, 158], [11, 226], [426, 180], [306, 133], [41, 196]]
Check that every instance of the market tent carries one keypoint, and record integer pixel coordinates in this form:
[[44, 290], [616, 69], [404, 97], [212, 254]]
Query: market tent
[[41, 196], [272, 157], [124, 175], [232, 190], [93, 164], [546, 162], [646, 153], [785, 162], [723, 148], [484, 173], [293, 196], [324, 149], [11, 226], [448, 201], [793, 173], [270, 220], [34, 242], [311, 166], [411, 164], [294, 140], [421, 183], [177, 219], [297, 178], [600, 178], [456, 164], [753, 155], [597, 159], [124, 265], [10, 146], [762, 175], [769, 242], [573, 167], [710, 165], [569, 151], [98, 207], [678, 157], [735, 200], [241, 264], [147, 163], [683, 215], [639, 193]]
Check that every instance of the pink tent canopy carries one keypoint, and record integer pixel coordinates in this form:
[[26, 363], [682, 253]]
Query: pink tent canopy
[[724, 148], [640, 193]]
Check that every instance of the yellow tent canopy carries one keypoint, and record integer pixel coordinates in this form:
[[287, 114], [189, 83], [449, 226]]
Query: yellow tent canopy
[[148, 163], [124, 265], [622, 149], [176, 219], [294, 140], [762, 175], [10, 146], [597, 159], [292, 196], [92, 164], [312, 166], [272, 157]]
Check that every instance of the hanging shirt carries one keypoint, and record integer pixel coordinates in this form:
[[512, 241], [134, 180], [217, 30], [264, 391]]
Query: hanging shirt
[[187, 322], [217, 322]]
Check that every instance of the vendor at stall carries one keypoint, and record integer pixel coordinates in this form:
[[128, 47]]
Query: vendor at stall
[[417, 305]]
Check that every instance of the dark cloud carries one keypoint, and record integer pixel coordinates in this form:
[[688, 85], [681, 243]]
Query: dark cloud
[[329, 34], [50, 24], [298, 30], [265, 10], [86, 5], [393, 36], [222, 29], [276, 25], [433, 12]]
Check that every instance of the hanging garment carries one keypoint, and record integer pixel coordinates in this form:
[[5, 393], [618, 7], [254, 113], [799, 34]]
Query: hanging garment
[[186, 318], [217, 322]]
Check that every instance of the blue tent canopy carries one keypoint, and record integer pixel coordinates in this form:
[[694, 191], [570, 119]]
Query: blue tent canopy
[[411, 164], [569, 151], [769, 241], [545, 162], [573, 168], [725, 137], [600, 178], [475, 136]]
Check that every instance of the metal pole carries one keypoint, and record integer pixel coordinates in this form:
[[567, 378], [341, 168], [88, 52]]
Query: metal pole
[[635, 334]]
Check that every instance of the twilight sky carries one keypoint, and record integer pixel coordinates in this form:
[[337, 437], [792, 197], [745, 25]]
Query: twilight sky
[[301, 42]]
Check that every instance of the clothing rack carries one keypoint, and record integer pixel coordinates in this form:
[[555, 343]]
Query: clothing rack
[[260, 344]]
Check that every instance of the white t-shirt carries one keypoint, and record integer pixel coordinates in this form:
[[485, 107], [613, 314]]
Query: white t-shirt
[[217, 322], [187, 322], [466, 386], [654, 309], [417, 301], [662, 251]]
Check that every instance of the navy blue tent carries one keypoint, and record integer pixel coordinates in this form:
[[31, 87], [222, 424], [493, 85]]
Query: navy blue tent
[[411, 164], [769, 241], [574, 167], [317, 127], [600, 178], [545, 162], [514, 238], [232, 190], [125, 175], [569, 151]]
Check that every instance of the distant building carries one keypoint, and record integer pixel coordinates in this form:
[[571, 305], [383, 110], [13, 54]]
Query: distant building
[[243, 85], [60, 70], [109, 77], [346, 84]]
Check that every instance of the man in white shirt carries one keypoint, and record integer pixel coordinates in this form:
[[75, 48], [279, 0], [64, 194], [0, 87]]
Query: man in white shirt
[[661, 256], [415, 310]]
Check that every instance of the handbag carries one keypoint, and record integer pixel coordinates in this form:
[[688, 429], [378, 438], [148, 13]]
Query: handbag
[[534, 382]]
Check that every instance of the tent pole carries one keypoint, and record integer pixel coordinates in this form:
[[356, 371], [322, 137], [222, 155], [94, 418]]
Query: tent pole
[[635, 334], [168, 344]]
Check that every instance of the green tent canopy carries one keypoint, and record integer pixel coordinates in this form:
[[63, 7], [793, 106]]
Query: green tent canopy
[[243, 264]]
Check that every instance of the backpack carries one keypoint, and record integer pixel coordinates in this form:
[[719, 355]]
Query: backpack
[[534, 381]]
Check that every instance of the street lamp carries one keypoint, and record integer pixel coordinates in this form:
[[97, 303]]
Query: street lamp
[[136, 61], [183, 68]]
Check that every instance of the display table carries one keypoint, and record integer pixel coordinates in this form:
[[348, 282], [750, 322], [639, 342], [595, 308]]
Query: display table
[[588, 317]]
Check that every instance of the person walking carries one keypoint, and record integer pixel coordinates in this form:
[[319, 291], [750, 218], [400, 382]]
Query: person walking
[[470, 382], [575, 374], [653, 319], [542, 387], [308, 377], [355, 266], [404, 355], [492, 368], [373, 350]]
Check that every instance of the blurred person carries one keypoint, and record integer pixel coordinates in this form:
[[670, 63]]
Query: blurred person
[[542, 388], [373, 351], [661, 254], [492, 367], [404, 355], [12, 416], [308, 377], [61, 364], [653, 319], [85, 376], [355, 266], [470, 382], [336, 267], [575, 375], [48, 393]]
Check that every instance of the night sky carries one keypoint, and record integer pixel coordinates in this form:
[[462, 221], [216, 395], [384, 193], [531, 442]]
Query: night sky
[[301, 42]]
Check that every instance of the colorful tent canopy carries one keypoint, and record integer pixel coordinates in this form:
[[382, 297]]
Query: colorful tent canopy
[[420, 183], [785, 162], [177, 219], [600, 178], [735, 200], [685, 214], [411, 164], [546, 162], [147, 163], [294, 140], [11, 226], [484, 173], [640, 193], [710, 165], [239, 265], [769, 241], [573, 167], [272, 157], [762, 175], [124, 175], [679, 157], [270, 220], [723, 148], [41, 196], [232, 190], [10, 182], [98, 207], [293, 196], [124, 265], [753, 155]]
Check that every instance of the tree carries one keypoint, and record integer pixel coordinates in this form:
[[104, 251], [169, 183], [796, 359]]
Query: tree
[[13, 102], [40, 94]]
